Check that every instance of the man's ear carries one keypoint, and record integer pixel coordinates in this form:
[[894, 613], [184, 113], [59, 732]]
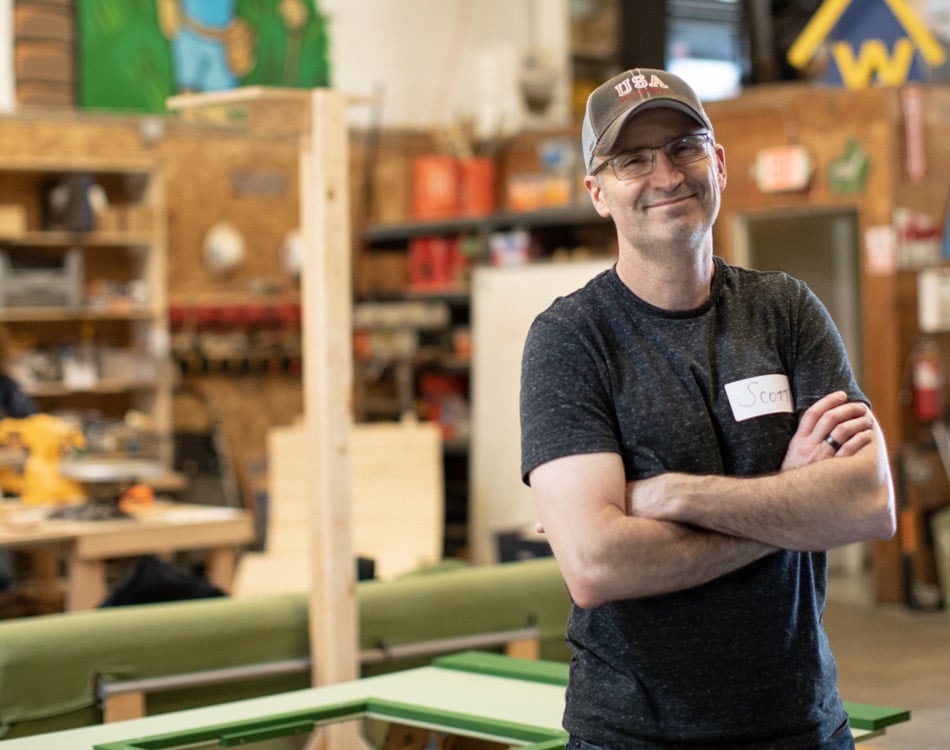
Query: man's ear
[[721, 167], [597, 195]]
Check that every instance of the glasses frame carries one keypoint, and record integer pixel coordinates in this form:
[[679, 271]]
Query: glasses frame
[[705, 137]]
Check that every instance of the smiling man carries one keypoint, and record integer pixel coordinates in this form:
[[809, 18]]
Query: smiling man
[[690, 521]]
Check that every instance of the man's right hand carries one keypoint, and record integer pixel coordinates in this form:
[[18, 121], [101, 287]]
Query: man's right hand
[[832, 426]]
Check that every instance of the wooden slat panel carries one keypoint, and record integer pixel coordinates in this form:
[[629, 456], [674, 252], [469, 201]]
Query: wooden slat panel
[[397, 505]]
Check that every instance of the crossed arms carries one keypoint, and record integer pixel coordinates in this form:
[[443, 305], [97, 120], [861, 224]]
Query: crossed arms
[[618, 540]]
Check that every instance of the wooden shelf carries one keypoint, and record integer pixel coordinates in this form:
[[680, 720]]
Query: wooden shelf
[[545, 217], [127, 251], [48, 390], [50, 165], [66, 314], [83, 239]]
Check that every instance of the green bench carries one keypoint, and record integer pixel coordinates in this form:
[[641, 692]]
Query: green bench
[[53, 667]]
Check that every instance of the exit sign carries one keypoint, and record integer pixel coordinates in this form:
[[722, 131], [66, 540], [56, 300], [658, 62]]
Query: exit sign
[[783, 169]]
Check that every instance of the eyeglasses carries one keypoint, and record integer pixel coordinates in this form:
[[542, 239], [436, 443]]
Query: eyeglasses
[[641, 161]]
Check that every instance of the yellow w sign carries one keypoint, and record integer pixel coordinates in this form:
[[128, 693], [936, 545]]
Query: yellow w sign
[[858, 72], [873, 58]]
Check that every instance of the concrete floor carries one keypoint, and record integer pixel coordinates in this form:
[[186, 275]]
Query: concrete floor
[[893, 656]]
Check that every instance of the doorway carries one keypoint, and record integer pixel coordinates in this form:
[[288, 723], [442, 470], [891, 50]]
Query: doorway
[[820, 248]]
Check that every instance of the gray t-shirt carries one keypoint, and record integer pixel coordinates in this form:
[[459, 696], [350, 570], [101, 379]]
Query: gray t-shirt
[[741, 661]]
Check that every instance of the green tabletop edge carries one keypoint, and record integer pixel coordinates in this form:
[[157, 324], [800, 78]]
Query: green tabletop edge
[[499, 665], [860, 715], [871, 717]]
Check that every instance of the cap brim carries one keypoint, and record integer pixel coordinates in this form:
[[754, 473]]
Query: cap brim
[[609, 137]]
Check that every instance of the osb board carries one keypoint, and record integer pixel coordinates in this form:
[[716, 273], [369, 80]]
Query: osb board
[[381, 274], [397, 506], [211, 175], [822, 120], [58, 135], [251, 185]]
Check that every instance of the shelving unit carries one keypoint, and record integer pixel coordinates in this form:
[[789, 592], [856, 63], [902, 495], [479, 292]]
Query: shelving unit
[[560, 216], [111, 315], [418, 364]]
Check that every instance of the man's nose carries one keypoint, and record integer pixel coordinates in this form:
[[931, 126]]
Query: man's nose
[[664, 169]]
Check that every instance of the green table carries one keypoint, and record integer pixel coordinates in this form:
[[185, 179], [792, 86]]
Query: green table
[[488, 696]]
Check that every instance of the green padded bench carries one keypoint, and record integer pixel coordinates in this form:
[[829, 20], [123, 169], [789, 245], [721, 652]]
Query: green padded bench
[[50, 665]]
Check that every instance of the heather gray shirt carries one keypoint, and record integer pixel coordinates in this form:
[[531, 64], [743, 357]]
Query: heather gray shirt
[[742, 660]]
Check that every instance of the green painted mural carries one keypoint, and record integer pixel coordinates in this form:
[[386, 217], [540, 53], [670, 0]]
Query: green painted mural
[[134, 54]]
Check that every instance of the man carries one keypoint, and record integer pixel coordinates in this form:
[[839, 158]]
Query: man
[[678, 415]]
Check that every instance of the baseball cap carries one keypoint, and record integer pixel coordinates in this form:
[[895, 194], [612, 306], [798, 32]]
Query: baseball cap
[[614, 102]]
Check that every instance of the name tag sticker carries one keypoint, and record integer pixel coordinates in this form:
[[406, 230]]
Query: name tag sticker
[[758, 396]]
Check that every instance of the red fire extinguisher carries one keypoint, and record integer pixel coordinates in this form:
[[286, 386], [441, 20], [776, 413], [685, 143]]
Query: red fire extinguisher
[[928, 383]]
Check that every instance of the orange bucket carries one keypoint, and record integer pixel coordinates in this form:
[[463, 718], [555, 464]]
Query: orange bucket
[[477, 186], [435, 187]]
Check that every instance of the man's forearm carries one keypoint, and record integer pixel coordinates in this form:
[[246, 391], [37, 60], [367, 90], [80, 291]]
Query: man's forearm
[[814, 507], [696, 557], [650, 558]]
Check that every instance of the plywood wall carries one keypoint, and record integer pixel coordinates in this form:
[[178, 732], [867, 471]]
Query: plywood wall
[[249, 184]]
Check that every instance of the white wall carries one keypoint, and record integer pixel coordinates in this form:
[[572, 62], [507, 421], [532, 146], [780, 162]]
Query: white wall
[[434, 62], [505, 301], [6, 55]]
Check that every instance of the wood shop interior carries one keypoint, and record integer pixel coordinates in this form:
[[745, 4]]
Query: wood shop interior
[[292, 280]]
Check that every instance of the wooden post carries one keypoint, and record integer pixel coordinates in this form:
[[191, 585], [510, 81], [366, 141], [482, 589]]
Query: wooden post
[[327, 375], [327, 379]]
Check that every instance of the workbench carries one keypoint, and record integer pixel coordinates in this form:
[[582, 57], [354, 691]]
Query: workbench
[[164, 528]]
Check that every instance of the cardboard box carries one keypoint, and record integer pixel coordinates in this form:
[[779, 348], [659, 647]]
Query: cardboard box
[[137, 218], [392, 179], [109, 219], [12, 220], [383, 274], [45, 93], [44, 21], [49, 62]]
